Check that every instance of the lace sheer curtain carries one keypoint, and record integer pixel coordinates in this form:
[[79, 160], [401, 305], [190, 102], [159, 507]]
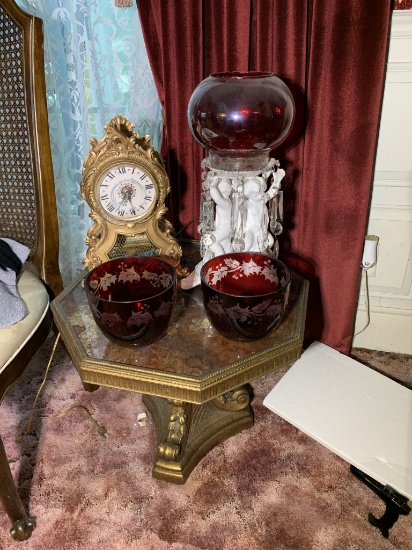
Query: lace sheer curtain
[[96, 67]]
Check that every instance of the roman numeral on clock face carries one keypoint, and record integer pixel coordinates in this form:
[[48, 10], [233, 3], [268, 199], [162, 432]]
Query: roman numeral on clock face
[[127, 191]]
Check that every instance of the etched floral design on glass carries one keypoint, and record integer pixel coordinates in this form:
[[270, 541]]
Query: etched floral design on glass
[[132, 298], [245, 294]]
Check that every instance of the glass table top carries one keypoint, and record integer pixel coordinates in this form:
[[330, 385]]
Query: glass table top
[[192, 361]]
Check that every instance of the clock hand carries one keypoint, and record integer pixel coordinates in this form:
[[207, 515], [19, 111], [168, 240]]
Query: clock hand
[[127, 197], [132, 208]]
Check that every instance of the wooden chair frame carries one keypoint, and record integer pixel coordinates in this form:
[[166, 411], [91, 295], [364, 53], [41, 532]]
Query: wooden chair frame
[[44, 247]]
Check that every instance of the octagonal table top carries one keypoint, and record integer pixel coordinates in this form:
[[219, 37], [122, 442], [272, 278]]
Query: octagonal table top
[[192, 362]]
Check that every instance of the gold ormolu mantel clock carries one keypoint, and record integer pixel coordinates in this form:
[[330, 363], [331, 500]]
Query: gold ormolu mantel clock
[[125, 184]]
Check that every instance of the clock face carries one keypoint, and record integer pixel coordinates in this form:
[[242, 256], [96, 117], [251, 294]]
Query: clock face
[[126, 192]]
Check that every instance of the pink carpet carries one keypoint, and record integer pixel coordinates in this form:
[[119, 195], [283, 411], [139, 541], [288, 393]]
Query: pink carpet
[[268, 488]]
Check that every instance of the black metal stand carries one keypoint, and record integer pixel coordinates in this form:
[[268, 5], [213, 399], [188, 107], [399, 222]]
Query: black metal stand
[[396, 504]]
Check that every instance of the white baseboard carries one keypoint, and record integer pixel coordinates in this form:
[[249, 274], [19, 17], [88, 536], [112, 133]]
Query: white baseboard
[[389, 330]]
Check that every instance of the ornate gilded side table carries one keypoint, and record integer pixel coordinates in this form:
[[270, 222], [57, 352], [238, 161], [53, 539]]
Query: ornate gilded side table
[[193, 379]]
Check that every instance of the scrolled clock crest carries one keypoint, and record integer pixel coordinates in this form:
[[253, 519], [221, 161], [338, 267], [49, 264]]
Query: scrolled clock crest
[[125, 184]]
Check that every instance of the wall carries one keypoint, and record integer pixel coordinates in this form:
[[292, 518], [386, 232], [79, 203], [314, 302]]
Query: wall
[[390, 283]]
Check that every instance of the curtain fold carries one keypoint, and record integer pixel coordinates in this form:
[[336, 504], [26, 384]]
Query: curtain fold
[[346, 62], [332, 56], [179, 31], [227, 35]]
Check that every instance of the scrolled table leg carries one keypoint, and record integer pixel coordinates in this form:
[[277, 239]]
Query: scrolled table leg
[[234, 400], [178, 428], [187, 432]]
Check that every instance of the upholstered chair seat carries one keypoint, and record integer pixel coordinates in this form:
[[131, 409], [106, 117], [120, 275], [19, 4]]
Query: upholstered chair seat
[[36, 301]]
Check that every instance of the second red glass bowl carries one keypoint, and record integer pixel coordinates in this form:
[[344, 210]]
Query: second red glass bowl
[[245, 294]]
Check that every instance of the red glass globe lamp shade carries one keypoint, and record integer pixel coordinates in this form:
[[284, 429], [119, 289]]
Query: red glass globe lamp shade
[[240, 117]]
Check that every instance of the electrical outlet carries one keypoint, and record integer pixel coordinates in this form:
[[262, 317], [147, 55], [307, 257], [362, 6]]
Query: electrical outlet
[[370, 254], [370, 251]]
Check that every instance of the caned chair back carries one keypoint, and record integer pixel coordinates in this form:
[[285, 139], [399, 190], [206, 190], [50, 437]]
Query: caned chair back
[[27, 195]]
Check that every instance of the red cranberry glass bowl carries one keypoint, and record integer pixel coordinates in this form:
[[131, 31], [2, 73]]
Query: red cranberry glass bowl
[[245, 294], [131, 298]]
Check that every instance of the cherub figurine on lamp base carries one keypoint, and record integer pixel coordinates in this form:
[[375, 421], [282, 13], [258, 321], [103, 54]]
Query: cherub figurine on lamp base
[[239, 117], [240, 211]]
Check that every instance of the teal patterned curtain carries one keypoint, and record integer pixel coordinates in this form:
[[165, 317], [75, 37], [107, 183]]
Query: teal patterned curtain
[[96, 67]]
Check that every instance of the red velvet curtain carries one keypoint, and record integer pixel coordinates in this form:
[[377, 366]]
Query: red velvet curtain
[[332, 56]]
